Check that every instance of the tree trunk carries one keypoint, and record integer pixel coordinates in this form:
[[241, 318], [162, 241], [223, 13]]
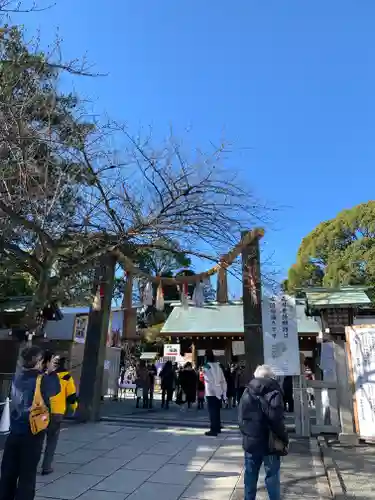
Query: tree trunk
[[96, 338], [31, 320]]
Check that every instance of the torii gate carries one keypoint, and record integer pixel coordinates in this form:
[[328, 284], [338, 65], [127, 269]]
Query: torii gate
[[97, 329]]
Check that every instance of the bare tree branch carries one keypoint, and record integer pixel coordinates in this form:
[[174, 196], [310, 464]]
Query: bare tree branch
[[24, 259], [12, 7], [67, 197]]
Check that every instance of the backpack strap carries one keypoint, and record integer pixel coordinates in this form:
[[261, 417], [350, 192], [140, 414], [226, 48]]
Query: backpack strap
[[38, 398], [262, 404]]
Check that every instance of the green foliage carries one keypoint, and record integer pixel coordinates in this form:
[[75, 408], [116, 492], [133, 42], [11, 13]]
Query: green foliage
[[43, 179], [152, 334], [39, 133], [15, 284], [165, 258], [75, 290], [338, 252]]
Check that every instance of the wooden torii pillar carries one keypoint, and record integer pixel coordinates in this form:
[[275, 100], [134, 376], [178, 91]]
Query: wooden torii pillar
[[222, 284], [90, 387], [130, 314], [97, 330], [252, 306]]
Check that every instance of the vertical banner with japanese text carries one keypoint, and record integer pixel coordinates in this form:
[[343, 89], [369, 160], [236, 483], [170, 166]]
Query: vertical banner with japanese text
[[280, 334]]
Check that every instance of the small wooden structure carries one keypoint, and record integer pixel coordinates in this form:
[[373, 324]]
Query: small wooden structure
[[94, 353], [336, 309], [310, 419], [215, 326]]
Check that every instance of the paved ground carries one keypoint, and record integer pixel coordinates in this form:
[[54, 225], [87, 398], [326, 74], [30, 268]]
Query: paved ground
[[352, 471], [125, 411], [108, 462], [126, 408]]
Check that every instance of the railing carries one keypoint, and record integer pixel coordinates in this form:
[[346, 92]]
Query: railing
[[111, 372], [326, 407], [316, 407]]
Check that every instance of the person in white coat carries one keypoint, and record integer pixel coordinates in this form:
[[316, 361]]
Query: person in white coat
[[216, 389]]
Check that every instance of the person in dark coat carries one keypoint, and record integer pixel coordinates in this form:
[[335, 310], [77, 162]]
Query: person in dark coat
[[188, 384], [288, 394], [167, 376], [241, 381], [23, 449], [200, 388], [264, 435], [152, 374], [231, 389], [142, 382]]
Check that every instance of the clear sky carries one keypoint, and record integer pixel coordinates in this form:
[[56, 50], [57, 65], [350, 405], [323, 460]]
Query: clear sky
[[290, 83]]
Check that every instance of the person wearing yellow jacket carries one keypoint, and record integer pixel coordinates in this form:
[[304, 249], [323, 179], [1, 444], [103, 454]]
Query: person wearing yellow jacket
[[65, 401]]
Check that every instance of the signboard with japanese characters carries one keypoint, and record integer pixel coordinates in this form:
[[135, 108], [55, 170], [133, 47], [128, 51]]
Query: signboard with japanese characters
[[361, 354], [280, 334], [238, 348], [80, 329], [172, 350]]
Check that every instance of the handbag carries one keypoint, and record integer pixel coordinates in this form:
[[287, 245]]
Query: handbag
[[39, 413], [180, 399], [275, 444]]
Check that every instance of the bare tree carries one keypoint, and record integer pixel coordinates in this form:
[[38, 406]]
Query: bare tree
[[166, 193], [8, 7], [47, 194], [67, 197]]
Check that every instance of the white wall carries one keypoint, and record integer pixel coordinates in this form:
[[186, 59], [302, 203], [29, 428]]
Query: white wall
[[61, 330]]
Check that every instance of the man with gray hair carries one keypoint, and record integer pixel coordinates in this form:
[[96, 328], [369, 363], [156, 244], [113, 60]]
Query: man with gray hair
[[264, 435]]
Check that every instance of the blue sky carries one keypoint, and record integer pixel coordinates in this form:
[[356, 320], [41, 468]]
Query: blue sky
[[290, 83]]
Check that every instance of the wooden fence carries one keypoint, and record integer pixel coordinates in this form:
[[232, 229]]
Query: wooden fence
[[316, 407]]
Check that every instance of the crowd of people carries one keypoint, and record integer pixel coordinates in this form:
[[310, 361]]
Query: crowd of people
[[43, 392], [185, 385]]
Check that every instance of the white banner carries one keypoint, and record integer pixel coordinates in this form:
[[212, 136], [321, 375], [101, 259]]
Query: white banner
[[280, 334], [219, 352], [216, 352], [172, 350], [361, 341], [238, 347], [80, 329]]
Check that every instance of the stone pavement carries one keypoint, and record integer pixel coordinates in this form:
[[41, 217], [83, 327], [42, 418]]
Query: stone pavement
[[351, 470], [109, 462], [124, 411]]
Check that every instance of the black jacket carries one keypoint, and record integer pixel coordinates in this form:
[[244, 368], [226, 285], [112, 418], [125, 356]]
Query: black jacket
[[288, 387], [188, 383], [168, 378], [261, 409]]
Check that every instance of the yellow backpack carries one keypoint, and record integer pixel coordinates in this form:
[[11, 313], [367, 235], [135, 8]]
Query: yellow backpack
[[39, 413]]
